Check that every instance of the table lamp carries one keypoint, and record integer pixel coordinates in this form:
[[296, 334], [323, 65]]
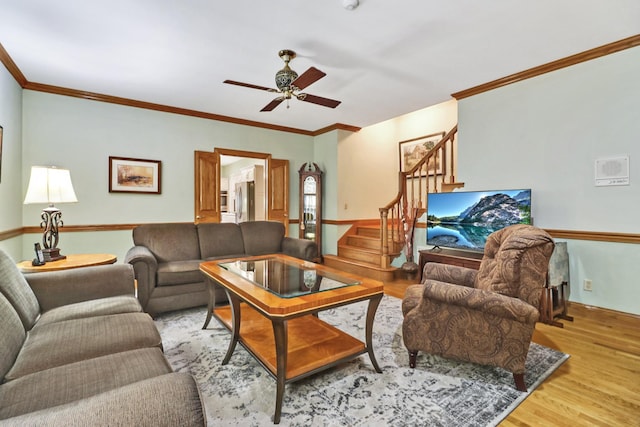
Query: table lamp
[[50, 185]]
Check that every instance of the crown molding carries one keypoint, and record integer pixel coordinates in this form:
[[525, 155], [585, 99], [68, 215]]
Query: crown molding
[[336, 126], [551, 66], [12, 67], [513, 78], [57, 90], [92, 96]]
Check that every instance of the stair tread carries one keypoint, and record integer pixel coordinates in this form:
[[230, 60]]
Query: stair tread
[[362, 249], [360, 263]]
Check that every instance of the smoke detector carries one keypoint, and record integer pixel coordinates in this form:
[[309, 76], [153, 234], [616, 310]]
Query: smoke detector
[[350, 4]]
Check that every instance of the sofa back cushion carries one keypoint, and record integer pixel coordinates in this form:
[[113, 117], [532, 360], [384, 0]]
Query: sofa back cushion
[[12, 336], [220, 239], [17, 291], [169, 242], [262, 237], [515, 262]]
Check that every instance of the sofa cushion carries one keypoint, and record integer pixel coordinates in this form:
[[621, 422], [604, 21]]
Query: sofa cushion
[[75, 381], [169, 242], [98, 307], [166, 400], [60, 343], [12, 336], [262, 237], [16, 289], [220, 240], [179, 272]]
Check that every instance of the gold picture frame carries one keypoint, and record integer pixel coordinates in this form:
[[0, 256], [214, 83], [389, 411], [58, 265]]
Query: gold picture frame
[[413, 150], [127, 175]]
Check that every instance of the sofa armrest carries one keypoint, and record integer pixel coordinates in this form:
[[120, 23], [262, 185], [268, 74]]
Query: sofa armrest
[[480, 300], [300, 248], [58, 288], [167, 400], [457, 275], [145, 266]]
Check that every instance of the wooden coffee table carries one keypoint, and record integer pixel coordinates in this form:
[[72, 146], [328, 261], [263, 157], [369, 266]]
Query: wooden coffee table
[[273, 310]]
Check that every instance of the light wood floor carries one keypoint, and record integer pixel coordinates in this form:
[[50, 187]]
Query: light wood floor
[[600, 383]]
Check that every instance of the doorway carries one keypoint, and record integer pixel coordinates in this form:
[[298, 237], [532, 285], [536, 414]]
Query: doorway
[[209, 201]]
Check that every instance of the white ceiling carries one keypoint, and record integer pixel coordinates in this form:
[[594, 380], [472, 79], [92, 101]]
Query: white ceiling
[[383, 59]]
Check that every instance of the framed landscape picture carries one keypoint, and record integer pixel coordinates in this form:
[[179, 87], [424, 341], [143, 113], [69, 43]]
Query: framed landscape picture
[[413, 150], [128, 175]]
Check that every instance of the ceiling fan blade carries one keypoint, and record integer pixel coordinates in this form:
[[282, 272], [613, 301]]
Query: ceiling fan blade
[[325, 102], [310, 76], [249, 85], [273, 104]]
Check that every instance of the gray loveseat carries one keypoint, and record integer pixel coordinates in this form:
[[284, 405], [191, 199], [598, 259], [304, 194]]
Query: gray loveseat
[[77, 350], [166, 257]]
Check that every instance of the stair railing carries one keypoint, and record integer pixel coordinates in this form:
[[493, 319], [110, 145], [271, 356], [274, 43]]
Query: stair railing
[[436, 168]]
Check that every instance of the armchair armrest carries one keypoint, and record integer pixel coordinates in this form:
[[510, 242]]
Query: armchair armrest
[[480, 300], [145, 267], [300, 248], [58, 288], [457, 275]]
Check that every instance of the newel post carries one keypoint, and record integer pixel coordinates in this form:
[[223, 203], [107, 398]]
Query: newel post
[[384, 235]]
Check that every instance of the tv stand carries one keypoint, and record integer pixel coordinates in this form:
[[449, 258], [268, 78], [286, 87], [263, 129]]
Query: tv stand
[[450, 256]]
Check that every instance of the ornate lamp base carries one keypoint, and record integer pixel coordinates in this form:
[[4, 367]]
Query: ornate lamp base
[[52, 254]]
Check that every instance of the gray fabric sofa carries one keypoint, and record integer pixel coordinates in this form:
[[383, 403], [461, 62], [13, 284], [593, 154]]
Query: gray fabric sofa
[[77, 350], [166, 257]]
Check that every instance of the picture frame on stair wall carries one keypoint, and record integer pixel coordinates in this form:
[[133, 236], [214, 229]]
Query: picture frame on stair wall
[[413, 150]]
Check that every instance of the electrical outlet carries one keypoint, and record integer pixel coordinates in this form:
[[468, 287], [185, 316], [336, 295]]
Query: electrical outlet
[[587, 285]]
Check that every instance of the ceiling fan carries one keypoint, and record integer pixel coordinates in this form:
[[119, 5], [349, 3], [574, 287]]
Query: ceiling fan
[[290, 84]]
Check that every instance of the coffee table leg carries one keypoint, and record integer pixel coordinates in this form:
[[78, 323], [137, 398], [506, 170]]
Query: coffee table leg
[[235, 326], [212, 302], [280, 333], [371, 314]]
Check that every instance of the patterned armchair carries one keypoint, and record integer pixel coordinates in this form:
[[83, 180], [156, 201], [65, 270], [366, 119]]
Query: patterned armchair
[[486, 316]]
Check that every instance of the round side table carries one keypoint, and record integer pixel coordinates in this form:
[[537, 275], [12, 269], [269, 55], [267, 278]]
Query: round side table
[[71, 261]]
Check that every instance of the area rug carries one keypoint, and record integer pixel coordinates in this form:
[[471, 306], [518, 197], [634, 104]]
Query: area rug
[[438, 392]]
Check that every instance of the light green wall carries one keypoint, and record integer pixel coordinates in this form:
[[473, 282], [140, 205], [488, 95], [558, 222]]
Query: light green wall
[[545, 134], [11, 167], [369, 160], [325, 155], [81, 135]]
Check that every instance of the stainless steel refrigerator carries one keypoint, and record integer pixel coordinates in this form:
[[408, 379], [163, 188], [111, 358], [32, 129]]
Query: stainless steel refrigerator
[[245, 201]]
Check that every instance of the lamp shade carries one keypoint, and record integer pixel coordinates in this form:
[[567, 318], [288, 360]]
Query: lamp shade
[[50, 185]]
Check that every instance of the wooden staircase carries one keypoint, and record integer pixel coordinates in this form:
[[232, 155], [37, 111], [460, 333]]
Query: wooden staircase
[[359, 252], [369, 246]]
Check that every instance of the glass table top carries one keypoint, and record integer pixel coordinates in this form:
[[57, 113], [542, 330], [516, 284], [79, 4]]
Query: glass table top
[[287, 279]]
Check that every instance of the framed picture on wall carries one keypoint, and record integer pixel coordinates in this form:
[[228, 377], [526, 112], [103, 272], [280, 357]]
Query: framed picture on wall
[[413, 150], [128, 175]]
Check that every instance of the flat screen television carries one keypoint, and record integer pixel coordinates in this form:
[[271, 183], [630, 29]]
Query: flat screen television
[[464, 219]]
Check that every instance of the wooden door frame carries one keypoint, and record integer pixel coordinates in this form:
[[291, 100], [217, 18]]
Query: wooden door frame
[[253, 155]]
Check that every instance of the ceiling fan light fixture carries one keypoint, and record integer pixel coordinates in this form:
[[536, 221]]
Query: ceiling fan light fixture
[[289, 84], [285, 76]]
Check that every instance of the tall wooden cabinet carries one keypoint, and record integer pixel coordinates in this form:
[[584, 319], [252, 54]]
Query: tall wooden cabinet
[[311, 203]]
